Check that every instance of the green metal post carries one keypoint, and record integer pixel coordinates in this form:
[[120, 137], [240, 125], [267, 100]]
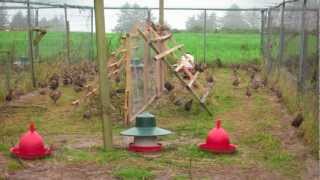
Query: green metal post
[[262, 33], [36, 48], [303, 50], [91, 37], [103, 81], [67, 34], [161, 12], [30, 50]]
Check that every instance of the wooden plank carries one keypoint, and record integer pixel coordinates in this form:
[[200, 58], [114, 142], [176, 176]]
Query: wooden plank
[[147, 40], [162, 38], [113, 73], [166, 53], [193, 79], [142, 109], [116, 64], [128, 94]]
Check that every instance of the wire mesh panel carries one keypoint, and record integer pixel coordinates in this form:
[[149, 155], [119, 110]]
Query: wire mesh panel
[[52, 46], [291, 50], [142, 71], [15, 67]]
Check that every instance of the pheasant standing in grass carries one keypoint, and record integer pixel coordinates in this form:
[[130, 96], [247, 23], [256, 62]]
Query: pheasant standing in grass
[[264, 82], [169, 87], [87, 114], [248, 92], [297, 121], [188, 105], [9, 96], [55, 95], [54, 82], [236, 81], [209, 78], [42, 91]]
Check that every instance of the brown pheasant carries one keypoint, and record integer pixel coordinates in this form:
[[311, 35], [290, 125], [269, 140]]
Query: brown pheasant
[[55, 95]]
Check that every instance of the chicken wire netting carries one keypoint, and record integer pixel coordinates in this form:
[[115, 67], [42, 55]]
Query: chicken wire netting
[[291, 52], [142, 71], [53, 50]]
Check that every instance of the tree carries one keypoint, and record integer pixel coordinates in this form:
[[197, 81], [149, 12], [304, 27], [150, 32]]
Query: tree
[[234, 19], [43, 22], [3, 17], [196, 23], [129, 17], [19, 21], [252, 19], [56, 23]]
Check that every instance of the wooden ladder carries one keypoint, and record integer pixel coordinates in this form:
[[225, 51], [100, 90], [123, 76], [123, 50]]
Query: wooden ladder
[[162, 54]]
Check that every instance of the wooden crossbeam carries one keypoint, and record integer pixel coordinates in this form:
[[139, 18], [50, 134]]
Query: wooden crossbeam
[[172, 69], [114, 72], [147, 40], [193, 79], [167, 52], [162, 38], [120, 51], [116, 64]]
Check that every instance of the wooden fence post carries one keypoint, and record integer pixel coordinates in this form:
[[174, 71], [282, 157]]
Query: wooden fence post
[[103, 81]]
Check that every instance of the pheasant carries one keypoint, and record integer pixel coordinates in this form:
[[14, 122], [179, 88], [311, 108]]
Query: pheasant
[[248, 92], [169, 87], [55, 95], [297, 121], [188, 105], [236, 81]]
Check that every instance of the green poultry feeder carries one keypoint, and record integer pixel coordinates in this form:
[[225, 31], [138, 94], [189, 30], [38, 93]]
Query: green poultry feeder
[[145, 134]]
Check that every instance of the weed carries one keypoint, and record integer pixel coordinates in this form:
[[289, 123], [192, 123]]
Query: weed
[[133, 173]]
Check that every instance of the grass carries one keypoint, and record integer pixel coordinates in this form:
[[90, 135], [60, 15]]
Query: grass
[[133, 173], [229, 47], [251, 124]]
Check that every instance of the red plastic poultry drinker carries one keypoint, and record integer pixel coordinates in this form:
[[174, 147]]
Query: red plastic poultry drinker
[[218, 141], [31, 145]]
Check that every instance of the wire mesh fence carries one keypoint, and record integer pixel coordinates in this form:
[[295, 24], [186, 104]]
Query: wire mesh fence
[[70, 35], [291, 53]]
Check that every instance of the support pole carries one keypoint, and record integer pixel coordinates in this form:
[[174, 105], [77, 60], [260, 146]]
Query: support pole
[[36, 48], [161, 12], [30, 49], [103, 81], [281, 44], [67, 34], [262, 33], [267, 47], [92, 43], [161, 66], [205, 36], [303, 50]]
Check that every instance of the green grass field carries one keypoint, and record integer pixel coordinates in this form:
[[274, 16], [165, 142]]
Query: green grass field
[[229, 47]]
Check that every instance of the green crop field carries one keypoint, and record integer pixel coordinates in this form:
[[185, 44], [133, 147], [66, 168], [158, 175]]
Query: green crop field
[[229, 47]]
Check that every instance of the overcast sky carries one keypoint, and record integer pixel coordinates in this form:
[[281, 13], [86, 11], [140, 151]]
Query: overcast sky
[[184, 3], [80, 20]]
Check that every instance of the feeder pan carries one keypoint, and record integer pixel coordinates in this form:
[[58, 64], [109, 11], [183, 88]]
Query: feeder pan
[[218, 141], [145, 134], [31, 146]]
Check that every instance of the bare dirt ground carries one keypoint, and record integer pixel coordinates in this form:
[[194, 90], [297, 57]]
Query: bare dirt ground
[[259, 116]]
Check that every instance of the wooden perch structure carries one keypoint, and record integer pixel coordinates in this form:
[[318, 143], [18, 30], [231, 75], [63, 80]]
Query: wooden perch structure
[[167, 52], [162, 38]]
